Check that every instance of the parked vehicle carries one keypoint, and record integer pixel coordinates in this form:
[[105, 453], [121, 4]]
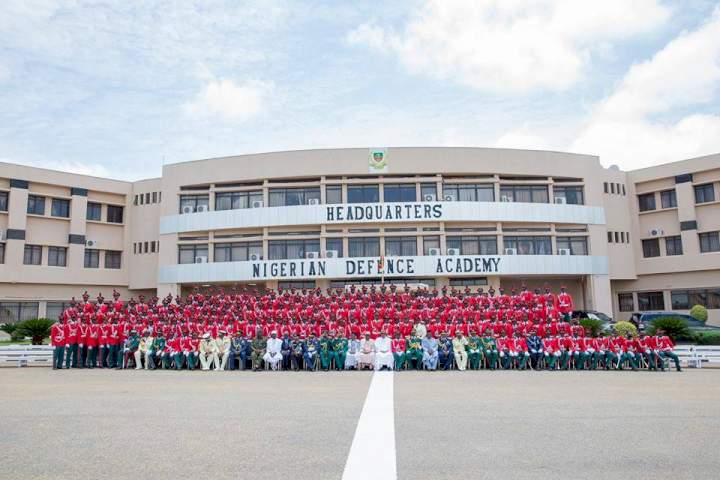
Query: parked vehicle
[[607, 320], [643, 320]]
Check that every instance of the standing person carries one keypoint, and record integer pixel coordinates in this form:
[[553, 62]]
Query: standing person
[[398, 348], [273, 355], [384, 359], [57, 340], [535, 346], [473, 350], [71, 338], [113, 342], [257, 349], [430, 352], [366, 357], [351, 358], [339, 351], [565, 304], [459, 345], [222, 347], [665, 347]]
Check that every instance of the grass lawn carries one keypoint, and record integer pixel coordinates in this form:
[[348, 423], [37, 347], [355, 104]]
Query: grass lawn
[[18, 342]]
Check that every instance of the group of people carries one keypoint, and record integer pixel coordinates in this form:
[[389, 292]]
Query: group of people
[[366, 328]]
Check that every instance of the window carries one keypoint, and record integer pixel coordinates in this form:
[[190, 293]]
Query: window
[[404, 192], [135, 247], [237, 251], [668, 199], [468, 282], [334, 244], [428, 189], [114, 214], [576, 245], [364, 247], [32, 255], [401, 246], [57, 256], [612, 188], [112, 258], [2, 253], [622, 237], [430, 242], [92, 258], [194, 203], [147, 198], [709, 242], [145, 247], [617, 237], [651, 301], [686, 299], [651, 247], [60, 208], [610, 237], [54, 310], [154, 197], [572, 195], [524, 193], [646, 202], [192, 253], [290, 249], [626, 302], [469, 192], [473, 245], [530, 245], [94, 211], [152, 246], [237, 200], [333, 194], [605, 187], [281, 197], [36, 205], [673, 245], [13, 312], [623, 189], [363, 194], [297, 285], [704, 193], [3, 201]]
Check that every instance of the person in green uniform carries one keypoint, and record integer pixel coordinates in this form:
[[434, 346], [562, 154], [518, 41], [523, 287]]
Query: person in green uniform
[[155, 355], [257, 349], [473, 349], [414, 351], [131, 345], [339, 351], [326, 343], [489, 349]]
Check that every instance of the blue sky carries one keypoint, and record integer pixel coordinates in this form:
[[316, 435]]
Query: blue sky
[[112, 88]]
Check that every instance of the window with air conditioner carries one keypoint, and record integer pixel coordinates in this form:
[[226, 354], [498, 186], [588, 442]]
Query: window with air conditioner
[[529, 245], [283, 197], [572, 245], [190, 203], [188, 253], [470, 192], [291, 249], [336, 245], [473, 245], [525, 193]]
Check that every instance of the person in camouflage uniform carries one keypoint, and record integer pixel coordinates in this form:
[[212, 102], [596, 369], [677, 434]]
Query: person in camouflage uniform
[[489, 349], [257, 348], [326, 343], [339, 350], [414, 352]]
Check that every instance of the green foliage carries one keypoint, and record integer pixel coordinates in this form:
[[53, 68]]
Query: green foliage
[[699, 312], [11, 329], [706, 338], [674, 327], [623, 328], [38, 329], [593, 324]]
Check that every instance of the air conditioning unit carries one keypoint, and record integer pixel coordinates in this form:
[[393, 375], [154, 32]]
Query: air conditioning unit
[[511, 251], [562, 200], [656, 232], [255, 257], [187, 209], [453, 251], [257, 204], [312, 254], [430, 197], [92, 243], [313, 201], [200, 259], [505, 198], [434, 252], [331, 254], [201, 208], [563, 251], [449, 198]]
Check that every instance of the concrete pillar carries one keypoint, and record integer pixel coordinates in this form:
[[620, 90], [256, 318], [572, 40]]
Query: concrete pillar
[[599, 293]]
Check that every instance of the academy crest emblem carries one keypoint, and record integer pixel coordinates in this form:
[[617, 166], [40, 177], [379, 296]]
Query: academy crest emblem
[[378, 162]]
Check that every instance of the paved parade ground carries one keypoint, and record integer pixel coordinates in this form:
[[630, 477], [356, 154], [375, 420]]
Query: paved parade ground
[[447, 425]]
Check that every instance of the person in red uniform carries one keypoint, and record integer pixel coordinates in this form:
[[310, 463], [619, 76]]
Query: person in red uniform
[[398, 349], [57, 340], [71, 339], [665, 347], [565, 304]]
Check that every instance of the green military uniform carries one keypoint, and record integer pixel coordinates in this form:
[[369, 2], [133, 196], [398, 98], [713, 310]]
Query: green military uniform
[[326, 346], [339, 352], [474, 352], [490, 351], [414, 351], [257, 347]]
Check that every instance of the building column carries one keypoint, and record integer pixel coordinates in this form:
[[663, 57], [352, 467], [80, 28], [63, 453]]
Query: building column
[[164, 288], [17, 222], [78, 227], [599, 293]]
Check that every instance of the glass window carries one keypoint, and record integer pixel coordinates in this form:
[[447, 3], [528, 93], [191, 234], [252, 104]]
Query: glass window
[[572, 195], [297, 285], [291, 249], [57, 256], [364, 247], [147, 198], [673, 245], [92, 258], [333, 194], [282, 197], [627, 304], [192, 253], [32, 255], [524, 193], [646, 202], [36, 205], [152, 246], [704, 193], [193, 203], [428, 190], [529, 245], [473, 245], [335, 244], [114, 214], [60, 208], [237, 200], [651, 301], [651, 247], [680, 300], [154, 197], [112, 258], [709, 242], [403, 192], [145, 247], [612, 187], [468, 282], [94, 211], [576, 245], [469, 192], [363, 194], [668, 199], [401, 246], [430, 242], [2, 253], [610, 237], [605, 187], [13, 312], [237, 251], [3, 201], [54, 310]]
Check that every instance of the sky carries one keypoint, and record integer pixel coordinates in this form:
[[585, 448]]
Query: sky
[[118, 88]]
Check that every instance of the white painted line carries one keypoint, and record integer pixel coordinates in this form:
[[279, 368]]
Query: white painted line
[[372, 454]]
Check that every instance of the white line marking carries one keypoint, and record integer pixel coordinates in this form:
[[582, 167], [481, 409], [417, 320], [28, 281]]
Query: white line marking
[[372, 454]]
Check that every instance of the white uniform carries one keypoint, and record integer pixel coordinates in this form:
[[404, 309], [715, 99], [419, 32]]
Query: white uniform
[[274, 346], [383, 353]]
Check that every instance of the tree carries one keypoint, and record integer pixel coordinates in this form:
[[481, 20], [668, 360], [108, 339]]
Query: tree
[[38, 329]]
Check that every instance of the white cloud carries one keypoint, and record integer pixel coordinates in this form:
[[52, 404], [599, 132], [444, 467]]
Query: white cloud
[[522, 139], [635, 127], [510, 46], [229, 100]]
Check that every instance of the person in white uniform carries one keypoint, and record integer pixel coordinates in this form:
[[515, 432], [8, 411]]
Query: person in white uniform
[[383, 353], [273, 354]]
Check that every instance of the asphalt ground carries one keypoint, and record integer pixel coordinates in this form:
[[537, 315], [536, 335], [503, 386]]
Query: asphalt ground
[[283, 425]]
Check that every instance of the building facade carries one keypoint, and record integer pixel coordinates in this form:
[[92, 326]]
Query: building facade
[[619, 241]]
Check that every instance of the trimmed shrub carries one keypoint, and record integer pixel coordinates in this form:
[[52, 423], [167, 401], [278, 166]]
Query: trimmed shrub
[[593, 324], [674, 327], [37, 329], [698, 312], [623, 328], [11, 329], [707, 338]]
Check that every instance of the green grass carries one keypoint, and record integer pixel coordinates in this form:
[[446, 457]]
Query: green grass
[[17, 342]]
